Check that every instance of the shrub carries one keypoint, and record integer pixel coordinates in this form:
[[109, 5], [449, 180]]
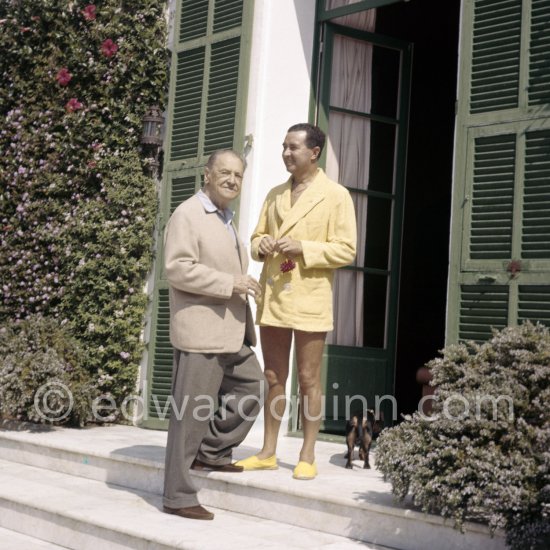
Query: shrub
[[41, 379], [484, 454], [108, 267], [76, 211]]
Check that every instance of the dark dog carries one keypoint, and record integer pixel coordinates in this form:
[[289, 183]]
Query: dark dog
[[361, 429]]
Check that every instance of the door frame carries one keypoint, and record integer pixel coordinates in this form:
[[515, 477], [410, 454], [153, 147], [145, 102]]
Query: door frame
[[376, 364]]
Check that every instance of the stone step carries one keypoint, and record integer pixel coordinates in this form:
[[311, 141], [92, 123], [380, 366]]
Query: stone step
[[353, 503], [11, 540], [84, 514]]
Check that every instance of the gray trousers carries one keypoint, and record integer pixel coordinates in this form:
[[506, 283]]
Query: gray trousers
[[216, 398]]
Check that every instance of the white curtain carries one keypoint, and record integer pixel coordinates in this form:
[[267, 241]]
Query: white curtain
[[363, 20], [348, 158]]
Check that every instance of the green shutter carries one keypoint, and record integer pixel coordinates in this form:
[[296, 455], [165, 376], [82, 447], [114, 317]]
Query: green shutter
[[182, 188], [500, 235], [194, 19], [536, 202], [187, 104], [206, 112], [492, 197], [482, 307], [496, 55], [534, 303], [539, 75], [228, 14], [161, 379], [222, 95]]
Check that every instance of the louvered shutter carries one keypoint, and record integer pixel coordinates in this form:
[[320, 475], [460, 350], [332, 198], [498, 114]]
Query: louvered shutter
[[206, 112], [500, 234]]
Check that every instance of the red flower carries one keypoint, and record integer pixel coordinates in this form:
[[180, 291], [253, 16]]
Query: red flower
[[287, 265], [108, 48], [73, 105], [514, 267], [63, 76], [89, 12]]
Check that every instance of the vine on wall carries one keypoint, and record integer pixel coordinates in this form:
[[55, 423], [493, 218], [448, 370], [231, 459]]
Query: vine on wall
[[77, 212]]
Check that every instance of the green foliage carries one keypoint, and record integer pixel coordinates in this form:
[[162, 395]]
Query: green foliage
[[76, 211], [484, 454], [112, 258], [41, 379]]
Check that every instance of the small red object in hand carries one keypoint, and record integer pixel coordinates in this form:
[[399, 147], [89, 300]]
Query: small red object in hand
[[287, 265]]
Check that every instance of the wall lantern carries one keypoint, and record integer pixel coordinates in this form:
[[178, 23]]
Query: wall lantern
[[152, 137]]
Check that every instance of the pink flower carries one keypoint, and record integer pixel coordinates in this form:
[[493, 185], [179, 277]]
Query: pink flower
[[63, 76], [287, 265], [89, 12], [514, 267], [73, 105], [108, 48]]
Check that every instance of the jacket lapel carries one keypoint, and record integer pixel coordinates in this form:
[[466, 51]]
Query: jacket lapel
[[282, 203], [241, 250], [312, 196]]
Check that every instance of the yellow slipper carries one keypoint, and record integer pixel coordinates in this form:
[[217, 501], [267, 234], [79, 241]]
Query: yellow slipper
[[255, 463], [304, 470]]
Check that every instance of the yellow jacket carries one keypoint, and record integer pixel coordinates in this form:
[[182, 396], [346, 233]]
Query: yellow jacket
[[323, 220]]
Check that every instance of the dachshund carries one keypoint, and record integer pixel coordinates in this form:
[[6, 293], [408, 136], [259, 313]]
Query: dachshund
[[361, 429]]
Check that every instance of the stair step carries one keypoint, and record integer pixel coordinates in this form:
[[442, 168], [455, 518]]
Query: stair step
[[353, 503], [84, 514], [11, 540]]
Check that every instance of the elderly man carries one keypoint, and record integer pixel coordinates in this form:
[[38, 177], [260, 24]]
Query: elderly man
[[212, 330]]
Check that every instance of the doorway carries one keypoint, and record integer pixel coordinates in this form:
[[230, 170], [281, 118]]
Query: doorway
[[400, 324], [433, 28]]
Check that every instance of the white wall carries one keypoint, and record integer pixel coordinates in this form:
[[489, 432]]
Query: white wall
[[278, 96]]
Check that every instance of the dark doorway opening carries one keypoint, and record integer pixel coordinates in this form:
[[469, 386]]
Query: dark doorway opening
[[433, 29]]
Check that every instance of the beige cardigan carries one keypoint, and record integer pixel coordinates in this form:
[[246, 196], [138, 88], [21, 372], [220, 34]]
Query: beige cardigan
[[201, 260], [323, 220]]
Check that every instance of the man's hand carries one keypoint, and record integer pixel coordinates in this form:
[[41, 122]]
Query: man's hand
[[245, 284], [267, 246], [289, 247]]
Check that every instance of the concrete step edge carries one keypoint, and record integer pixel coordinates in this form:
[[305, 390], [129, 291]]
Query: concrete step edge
[[85, 514]]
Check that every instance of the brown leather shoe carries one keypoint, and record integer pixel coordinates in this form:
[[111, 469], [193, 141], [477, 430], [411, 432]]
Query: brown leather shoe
[[191, 512], [201, 466]]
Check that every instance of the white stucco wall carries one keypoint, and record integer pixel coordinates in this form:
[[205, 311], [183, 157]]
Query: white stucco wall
[[278, 96]]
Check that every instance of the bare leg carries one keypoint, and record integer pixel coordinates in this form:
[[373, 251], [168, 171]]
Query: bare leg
[[309, 353], [276, 351]]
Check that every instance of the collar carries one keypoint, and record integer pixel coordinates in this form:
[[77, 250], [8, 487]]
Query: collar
[[209, 206]]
